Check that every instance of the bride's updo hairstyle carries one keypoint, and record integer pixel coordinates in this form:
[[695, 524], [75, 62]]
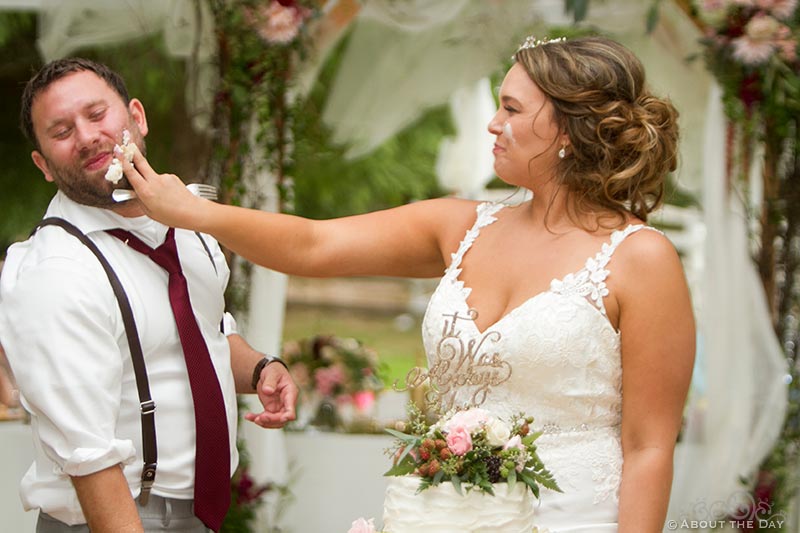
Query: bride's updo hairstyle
[[623, 140]]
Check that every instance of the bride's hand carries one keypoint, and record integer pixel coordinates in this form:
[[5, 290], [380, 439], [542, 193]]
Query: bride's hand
[[163, 197]]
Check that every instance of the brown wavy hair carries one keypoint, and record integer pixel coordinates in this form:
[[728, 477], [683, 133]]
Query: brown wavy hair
[[623, 140], [54, 71]]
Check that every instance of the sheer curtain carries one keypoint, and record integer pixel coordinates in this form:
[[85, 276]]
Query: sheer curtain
[[739, 395], [404, 57]]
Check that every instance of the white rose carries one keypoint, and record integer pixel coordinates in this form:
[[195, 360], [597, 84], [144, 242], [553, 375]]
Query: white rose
[[497, 432]]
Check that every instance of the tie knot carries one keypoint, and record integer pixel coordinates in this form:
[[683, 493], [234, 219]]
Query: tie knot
[[166, 255]]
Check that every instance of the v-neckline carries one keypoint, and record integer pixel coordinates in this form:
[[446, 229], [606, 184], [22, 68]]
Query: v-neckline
[[486, 217], [467, 291]]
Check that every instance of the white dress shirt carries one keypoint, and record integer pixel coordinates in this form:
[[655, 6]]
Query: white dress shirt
[[63, 334]]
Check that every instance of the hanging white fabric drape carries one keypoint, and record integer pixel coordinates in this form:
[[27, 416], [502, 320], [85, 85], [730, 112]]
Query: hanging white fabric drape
[[401, 60], [739, 395], [465, 162]]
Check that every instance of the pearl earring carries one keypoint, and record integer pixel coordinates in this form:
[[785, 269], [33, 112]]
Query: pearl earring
[[562, 153]]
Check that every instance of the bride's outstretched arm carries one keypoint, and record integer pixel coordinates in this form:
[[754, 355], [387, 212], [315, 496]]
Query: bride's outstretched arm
[[657, 336], [405, 241]]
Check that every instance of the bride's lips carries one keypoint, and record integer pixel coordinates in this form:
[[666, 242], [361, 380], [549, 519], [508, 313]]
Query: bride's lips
[[497, 149], [98, 162]]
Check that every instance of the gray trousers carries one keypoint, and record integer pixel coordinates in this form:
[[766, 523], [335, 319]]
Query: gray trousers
[[160, 514]]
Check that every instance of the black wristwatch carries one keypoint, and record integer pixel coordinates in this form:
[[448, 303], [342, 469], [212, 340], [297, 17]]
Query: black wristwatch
[[260, 366]]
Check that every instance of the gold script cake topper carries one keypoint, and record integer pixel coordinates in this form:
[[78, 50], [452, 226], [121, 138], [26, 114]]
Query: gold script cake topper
[[462, 373]]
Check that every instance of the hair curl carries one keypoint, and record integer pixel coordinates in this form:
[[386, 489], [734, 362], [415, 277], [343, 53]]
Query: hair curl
[[623, 140], [54, 71]]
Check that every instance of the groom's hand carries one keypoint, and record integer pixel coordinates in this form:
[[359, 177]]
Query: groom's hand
[[278, 395]]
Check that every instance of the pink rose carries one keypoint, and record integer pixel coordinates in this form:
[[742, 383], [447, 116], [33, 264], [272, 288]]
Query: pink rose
[[362, 526], [459, 441]]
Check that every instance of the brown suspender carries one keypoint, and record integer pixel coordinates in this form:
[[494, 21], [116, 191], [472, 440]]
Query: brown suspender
[[146, 404]]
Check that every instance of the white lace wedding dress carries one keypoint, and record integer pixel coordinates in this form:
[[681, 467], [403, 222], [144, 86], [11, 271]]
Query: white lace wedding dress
[[555, 357]]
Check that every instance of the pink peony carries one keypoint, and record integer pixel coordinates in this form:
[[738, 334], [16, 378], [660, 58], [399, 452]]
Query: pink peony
[[459, 441], [364, 400], [362, 526], [712, 5]]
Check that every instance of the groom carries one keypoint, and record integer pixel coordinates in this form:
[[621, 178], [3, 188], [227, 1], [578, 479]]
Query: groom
[[133, 413]]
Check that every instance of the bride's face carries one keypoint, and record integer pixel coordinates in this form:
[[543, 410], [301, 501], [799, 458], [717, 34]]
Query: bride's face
[[527, 138]]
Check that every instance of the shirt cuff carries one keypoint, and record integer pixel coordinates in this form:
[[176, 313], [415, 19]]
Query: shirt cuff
[[85, 461], [229, 326]]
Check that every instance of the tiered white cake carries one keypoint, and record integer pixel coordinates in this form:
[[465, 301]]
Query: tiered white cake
[[443, 510]]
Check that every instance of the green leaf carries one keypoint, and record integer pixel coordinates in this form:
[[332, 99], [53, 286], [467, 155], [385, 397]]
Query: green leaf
[[402, 436], [401, 469], [512, 479], [456, 481], [653, 15]]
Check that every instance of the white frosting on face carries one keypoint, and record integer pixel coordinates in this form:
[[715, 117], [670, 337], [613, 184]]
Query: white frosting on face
[[443, 510], [508, 132], [114, 172]]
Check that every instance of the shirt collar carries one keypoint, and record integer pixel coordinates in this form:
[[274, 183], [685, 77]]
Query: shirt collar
[[94, 219]]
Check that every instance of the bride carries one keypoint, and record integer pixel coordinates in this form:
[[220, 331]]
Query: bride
[[586, 305]]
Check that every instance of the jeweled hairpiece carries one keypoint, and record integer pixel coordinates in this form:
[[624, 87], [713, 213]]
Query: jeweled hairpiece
[[533, 42]]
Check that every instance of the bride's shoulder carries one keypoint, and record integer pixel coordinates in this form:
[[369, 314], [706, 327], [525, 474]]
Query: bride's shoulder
[[646, 257], [457, 211], [450, 218]]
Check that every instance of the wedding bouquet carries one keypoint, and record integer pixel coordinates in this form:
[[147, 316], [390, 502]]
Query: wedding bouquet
[[472, 449]]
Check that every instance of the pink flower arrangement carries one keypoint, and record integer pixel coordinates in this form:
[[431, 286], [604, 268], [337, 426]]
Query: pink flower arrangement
[[339, 370], [748, 42], [763, 37]]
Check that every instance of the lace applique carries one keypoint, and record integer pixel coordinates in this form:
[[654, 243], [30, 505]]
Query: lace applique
[[590, 281], [485, 217], [595, 449]]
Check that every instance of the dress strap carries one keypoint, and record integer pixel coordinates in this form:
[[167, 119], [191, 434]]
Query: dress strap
[[590, 281], [486, 212]]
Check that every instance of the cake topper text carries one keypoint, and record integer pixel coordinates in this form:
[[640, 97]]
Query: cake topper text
[[462, 373]]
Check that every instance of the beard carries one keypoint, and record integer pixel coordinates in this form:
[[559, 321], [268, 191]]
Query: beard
[[92, 188]]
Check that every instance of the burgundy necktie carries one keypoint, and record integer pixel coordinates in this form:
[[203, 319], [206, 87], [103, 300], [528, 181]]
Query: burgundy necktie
[[212, 491]]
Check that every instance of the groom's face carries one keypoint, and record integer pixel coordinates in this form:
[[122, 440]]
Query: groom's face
[[77, 120]]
